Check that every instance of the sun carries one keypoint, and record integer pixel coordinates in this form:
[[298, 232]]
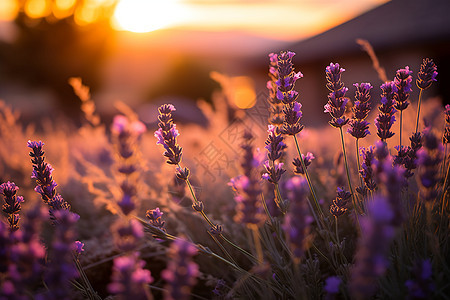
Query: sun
[[145, 15]]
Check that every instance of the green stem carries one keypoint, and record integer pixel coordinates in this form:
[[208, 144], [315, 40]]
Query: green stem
[[337, 231], [316, 202], [418, 110], [348, 178]]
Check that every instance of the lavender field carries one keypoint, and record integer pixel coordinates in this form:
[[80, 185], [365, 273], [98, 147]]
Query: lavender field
[[357, 209]]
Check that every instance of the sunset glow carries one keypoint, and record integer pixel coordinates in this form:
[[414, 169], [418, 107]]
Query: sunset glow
[[145, 15]]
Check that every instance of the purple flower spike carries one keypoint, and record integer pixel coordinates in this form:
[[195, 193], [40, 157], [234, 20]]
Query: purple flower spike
[[371, 259], [167, 133], [127, 235], [306, 160], [359, 127], [154, 217], [297, 220], [12, 204], [339, 205], [181, 271], [274, 172], [429, 158], [247, 189], [421, 286], [274, 143], [337, 101], [332, 285], [385, 118], [129, 280], [366, 171], [286, 93], [427, 74], [61, 269], [402, 81], [79, 247], [46, 186]]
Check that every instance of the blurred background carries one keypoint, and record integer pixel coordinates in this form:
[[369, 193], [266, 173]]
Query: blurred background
[[146, 52]]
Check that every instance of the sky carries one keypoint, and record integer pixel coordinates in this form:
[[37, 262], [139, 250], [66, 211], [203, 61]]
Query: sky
[[277, 19]]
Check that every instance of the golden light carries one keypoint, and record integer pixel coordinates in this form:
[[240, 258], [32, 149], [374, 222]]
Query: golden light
[[8, 10], [145, 15], [37, 8]]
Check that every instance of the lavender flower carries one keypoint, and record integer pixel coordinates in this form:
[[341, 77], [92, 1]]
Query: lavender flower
[[79, 247], [297, 220], [359, 127], [307, 159], [129, 280], [274, 172], [126, 135], [12, 204], [181, 271], [274, 143], [46, 186], [427, 74], [339, 204], [402, 81], [276, 105], [429, 158], [24, 254], [127, 234], [286, 93], [373, 247], [366, 171], [421, 286], [331, 287], [385, 118], [336, 99], [246, 187], [60, 269], [154, 217], [167, 134]]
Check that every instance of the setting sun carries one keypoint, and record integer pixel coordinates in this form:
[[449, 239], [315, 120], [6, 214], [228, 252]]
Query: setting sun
[[145, 15]]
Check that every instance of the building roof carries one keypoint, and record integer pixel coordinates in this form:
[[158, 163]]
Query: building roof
[[395, 24]]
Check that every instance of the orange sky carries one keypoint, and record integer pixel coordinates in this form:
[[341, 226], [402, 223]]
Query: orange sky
[[281, 19]]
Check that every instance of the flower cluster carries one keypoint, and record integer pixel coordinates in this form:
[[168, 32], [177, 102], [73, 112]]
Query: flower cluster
[[60, 269], [366, 171], [246, 187], [46, 186], [297, 220], [428, 158], [337, 101], [276, 105], [386, 118], [181, 271], [275, 147], [421, 286], [402, 81], [22, 257], [126, 135], [167, 134], [339, 204], [129, 280], [154, 217], [427, 74], [12, 204], [359, 127], [307, 159], [127, 234], [371, 259], [286, 93]]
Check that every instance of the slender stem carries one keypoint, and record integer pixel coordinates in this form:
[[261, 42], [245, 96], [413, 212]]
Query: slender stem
[[355, 207], [337, 231], [316, 202], [418, 110], [257, 241], [359, 164], [213, 226], [266, 209]]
